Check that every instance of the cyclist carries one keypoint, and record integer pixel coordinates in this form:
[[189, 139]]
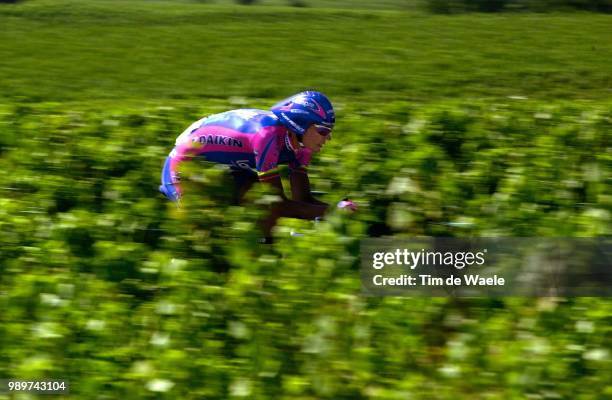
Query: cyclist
[[254, 143]]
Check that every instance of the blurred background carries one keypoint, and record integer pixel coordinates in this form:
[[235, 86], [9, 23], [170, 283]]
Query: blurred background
[[454, 118]]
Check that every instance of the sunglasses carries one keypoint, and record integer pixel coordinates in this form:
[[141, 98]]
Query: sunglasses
[[323, 130]]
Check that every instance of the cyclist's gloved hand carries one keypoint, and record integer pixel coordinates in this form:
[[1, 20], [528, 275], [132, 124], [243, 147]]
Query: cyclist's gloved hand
[[347, 204]]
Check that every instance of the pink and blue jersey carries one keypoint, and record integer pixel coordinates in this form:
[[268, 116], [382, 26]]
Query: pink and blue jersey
[[248, 139]]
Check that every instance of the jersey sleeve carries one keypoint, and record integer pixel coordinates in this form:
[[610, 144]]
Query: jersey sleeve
[[267, 151], [302, 159]]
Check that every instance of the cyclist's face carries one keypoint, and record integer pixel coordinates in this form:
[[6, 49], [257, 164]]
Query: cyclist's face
[[315, 140]]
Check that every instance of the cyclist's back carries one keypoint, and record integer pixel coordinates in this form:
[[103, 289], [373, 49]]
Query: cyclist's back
[[247, 139]]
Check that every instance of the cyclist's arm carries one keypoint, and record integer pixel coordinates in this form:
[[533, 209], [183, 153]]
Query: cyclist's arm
[[300, 186], [272, 178], [268, 172], [292, 208]]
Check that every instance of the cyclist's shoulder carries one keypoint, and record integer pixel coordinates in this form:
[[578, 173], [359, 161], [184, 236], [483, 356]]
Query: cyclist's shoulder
[[244, 120], [242, 114]]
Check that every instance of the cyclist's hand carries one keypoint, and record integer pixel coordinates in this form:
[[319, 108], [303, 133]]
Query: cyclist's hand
[[347, 204]]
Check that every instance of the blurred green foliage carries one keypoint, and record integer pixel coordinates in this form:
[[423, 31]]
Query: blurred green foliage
[[105, 283], [63, 50]]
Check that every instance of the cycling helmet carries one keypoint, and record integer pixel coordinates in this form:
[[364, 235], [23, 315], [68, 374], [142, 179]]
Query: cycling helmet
[[300, 111]]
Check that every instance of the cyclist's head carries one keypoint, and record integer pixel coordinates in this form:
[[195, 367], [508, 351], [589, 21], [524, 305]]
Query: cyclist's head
[[305, 109]]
